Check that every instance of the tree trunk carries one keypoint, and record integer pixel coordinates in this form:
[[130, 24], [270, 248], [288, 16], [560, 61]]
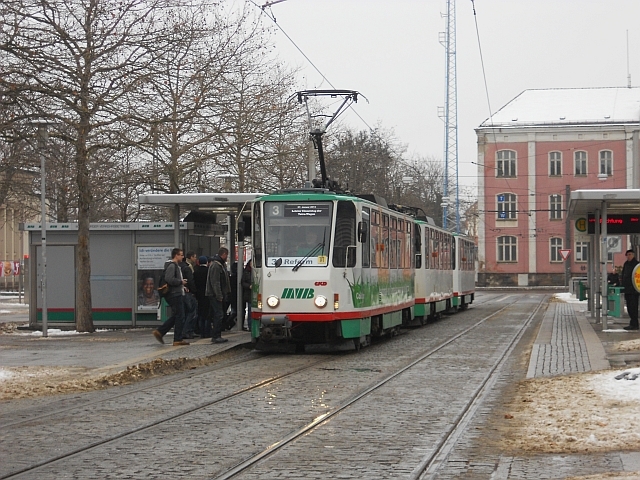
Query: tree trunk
[[84, 318]]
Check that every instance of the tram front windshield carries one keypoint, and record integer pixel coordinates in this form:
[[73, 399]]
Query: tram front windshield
[[297, 232]]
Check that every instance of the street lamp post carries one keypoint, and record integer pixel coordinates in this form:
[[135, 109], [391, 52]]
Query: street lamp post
[[42, 141]]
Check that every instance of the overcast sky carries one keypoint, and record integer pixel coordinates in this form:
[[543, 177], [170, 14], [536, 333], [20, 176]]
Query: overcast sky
[[389, 51]]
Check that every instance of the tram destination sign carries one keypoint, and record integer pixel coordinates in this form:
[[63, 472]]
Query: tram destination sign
[[306, 210], [617, 224]]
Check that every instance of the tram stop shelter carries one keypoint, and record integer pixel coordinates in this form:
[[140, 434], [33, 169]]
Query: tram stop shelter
[[617, 211], [237, 208], [126, 259]]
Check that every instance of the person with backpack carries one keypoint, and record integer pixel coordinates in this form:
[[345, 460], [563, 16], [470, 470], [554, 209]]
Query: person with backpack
[[218, 290], [172, 275]]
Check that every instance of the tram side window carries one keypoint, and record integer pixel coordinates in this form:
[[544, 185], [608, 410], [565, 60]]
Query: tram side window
[[417, 247], [345, 235], [366, 250], [257, 237], [374, 240], [400, 244], [385, 242], [408, 246], [435, 247], [393, 250], [427, 248], [454, 254]]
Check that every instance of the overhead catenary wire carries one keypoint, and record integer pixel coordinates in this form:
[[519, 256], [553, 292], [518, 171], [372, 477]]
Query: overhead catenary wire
[[273, 19]]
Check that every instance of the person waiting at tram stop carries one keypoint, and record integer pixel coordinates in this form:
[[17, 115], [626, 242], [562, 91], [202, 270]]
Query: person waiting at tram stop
[[218, 290], [245, 282], [200, 279], [190, 302], [173, 277], [630, 293], [613, 278]]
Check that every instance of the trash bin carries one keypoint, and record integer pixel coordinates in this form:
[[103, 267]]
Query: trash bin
[[583, 291], [615, 301]]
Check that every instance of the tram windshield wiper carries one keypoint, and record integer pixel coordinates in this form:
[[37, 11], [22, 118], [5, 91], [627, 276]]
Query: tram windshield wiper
[[311, 253]]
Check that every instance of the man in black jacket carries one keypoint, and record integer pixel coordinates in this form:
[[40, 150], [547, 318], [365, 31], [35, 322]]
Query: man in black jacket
[[173, 277], [190, 302], [630, 293], [218, 290], [200, 277]]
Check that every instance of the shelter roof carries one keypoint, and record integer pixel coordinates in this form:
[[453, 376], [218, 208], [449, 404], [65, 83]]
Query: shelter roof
[[212, 202], [569, 107], [619, 201]]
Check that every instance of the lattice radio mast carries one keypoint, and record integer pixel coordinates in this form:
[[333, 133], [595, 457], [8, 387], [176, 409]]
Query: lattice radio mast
[[451, 198]]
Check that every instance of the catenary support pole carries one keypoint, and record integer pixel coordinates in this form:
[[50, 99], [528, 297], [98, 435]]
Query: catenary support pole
[[42, 139], [603, 267], [596, 265]]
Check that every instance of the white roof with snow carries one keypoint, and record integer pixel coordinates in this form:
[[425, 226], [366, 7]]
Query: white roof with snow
[[569, 106]]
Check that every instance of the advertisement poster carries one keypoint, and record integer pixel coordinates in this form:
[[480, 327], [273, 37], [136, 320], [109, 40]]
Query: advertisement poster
[[150, 261], [10, 268]]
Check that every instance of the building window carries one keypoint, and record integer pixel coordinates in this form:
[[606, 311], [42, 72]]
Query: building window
[[507, 249], [555, 207], [506, 206], [606, 162], [556, 246], [581, 163], [582, 251], [506, 163], [555, 164]]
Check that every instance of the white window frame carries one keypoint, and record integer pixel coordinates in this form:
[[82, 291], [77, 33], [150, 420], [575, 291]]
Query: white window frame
[[509, 206], [581, 157], [506, 158], [555, 245], [555, 164], [606, 162], [582, 252], [555, 207], [507, 246]]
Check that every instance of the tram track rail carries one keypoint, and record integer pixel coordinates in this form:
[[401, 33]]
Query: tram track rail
[[448, 439], [174, 378], [275, 446], [85, 448], [178, 377]]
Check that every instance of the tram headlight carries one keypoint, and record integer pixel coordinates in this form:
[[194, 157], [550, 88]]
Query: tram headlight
[[320, 301], [273, 301]]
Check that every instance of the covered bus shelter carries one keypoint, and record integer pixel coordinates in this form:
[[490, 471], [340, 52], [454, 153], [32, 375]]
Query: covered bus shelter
[[234, 205], [617, 211]]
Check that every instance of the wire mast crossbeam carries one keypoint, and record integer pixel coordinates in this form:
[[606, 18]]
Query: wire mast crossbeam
[[348, 97]]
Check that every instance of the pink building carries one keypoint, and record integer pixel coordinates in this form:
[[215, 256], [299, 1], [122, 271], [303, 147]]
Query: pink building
[[531, 154]]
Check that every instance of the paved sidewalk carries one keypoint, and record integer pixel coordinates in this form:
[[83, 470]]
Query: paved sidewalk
[[104, 352], [569, 341]]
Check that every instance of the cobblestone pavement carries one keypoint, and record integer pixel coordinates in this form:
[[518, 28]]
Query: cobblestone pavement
[[384, 436]]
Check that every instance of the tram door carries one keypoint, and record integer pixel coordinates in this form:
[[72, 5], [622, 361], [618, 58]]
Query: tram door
[[61, 284]]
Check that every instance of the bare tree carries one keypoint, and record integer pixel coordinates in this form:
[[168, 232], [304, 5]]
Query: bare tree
[[366, 162], [258, 126], [75, 62]]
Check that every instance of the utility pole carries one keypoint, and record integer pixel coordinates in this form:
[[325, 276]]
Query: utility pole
[[451, 201]]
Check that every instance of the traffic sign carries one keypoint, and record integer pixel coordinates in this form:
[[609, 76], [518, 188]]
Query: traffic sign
[[564, 254]]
